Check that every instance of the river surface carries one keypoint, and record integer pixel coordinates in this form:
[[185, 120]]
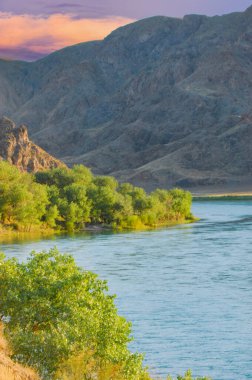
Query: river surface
[[187, 289]]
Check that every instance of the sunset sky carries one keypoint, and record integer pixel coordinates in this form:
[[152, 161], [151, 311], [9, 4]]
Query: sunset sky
[[33, 28]]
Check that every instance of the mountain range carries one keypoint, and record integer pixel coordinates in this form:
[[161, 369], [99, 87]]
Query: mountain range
[[160, 102]]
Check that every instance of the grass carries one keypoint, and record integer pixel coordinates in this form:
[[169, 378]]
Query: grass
[[223, 198], [9, 235]]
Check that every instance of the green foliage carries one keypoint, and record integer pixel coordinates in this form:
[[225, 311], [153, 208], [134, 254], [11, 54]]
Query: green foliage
[[23, 202], [103, 201], [188, 376], [106, 182], [60, 177], [67, 192], [67, 199], [57, 313], [51, 216], [181, 202]]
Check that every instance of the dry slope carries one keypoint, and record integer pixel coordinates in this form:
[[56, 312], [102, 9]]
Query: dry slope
[[159, 102], [10, 370]]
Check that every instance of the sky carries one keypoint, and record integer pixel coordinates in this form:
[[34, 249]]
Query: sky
[[31, 29]]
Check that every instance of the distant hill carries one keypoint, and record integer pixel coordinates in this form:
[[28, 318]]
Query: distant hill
[[160, 102], [16, 148]]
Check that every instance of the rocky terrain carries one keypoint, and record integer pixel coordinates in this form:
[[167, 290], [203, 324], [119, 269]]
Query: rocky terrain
[[160, 102], [16, 148]]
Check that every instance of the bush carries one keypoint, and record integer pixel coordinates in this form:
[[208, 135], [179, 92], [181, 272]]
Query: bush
[[58, 314]]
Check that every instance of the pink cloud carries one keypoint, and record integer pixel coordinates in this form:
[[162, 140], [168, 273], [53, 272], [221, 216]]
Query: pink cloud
[[43, 35]]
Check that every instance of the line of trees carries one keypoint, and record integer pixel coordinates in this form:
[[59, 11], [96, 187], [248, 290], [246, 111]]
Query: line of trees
[[68, 199]]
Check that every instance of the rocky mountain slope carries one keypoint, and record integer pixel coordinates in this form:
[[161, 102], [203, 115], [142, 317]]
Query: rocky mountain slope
[[16, 148], [160, 102]]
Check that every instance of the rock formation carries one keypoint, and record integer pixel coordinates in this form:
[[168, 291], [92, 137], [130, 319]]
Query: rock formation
[[16, 148]]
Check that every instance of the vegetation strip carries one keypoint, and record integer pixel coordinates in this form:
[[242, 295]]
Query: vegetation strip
[[65, 199]]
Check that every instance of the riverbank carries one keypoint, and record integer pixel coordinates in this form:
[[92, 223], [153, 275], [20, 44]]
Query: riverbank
[[10, 370], [221, 197], [10, 235]]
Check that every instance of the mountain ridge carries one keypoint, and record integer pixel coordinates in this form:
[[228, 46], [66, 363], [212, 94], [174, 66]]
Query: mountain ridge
[[159, 102]]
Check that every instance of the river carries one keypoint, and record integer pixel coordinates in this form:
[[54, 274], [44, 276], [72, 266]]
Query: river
[[186, 289]]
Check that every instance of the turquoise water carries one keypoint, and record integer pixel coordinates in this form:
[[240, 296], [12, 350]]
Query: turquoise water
[[186, 289]]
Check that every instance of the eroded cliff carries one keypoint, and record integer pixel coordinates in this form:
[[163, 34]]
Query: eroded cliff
[[16, 148]]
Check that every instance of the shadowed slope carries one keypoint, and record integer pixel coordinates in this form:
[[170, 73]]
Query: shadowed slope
[[160, 102]]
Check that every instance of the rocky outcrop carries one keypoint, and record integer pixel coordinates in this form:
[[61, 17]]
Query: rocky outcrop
[[160, 102], [16, 148]]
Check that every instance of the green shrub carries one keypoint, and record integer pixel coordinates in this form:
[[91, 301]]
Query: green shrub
[[55, 313]]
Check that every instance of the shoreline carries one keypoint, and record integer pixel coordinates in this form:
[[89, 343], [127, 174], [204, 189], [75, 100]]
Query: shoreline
[[223, 196], [7, 235], [10, 235]]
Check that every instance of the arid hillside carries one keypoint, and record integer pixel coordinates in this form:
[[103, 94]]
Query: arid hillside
[[160, 102]]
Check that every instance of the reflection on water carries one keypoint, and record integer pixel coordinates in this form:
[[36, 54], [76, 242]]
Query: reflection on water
[[187, 289]]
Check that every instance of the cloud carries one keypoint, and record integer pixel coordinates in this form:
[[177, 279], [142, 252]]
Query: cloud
[[85, 8], [24, 36], [68, 5]]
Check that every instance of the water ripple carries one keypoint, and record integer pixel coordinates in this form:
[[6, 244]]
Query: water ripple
[[187, 289]]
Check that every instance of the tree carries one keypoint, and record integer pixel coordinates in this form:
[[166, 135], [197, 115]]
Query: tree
[[51, 216], [75, 206], [59, 177], [106, 181], [56, 311], [22, 201], [104, 202], [82, 175], [181, 202]]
